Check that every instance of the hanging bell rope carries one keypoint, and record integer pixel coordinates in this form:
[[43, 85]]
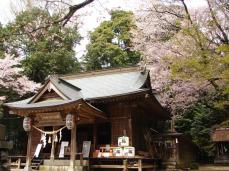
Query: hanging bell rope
[[49, 132]]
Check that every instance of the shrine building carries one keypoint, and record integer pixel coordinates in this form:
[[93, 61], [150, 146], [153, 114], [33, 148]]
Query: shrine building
[[92, 120]]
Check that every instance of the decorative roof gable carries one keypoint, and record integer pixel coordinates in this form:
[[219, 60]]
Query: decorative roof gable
[[56, 89], [48, 92]]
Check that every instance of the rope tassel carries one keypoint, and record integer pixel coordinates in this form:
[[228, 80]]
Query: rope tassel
[[49, 141], [56, 138], [43, 139]]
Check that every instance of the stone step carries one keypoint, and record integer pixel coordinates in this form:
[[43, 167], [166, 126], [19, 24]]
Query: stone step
[[213, 168]]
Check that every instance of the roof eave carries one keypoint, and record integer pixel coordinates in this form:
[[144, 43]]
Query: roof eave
[[117, 95]]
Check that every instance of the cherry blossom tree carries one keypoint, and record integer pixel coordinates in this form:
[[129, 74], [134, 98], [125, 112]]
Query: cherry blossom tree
[[171, 33], [188, 54], [12, 79]]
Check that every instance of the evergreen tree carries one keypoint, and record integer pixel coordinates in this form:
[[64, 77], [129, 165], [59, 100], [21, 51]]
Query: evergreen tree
[[47, 47], [111, 44]]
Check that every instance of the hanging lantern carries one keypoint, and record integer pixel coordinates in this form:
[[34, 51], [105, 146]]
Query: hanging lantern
[[27, 124], [69, 121]]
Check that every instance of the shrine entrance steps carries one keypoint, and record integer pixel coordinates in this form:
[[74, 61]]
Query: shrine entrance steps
[[63, 165]]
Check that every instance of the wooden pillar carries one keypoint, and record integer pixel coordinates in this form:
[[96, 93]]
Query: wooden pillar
[[19, 163], [177, 151], [217, 150], [28, 155], [139, 164], [94, 136], [130, 131], [52, 155], [125, 165], [73, 147]]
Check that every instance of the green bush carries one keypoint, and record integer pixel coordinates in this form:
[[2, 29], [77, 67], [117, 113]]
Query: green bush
[[194, 166]]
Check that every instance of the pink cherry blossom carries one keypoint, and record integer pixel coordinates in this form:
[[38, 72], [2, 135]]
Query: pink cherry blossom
[[11, 77]]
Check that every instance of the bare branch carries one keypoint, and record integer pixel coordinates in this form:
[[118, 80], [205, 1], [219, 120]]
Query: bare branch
[[225, 38], [198, 40], [168, 12], [65, 19], [72, 10], [60, 1], [187, 12]]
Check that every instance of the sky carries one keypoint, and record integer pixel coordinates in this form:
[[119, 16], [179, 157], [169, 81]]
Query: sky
[[90, 16]]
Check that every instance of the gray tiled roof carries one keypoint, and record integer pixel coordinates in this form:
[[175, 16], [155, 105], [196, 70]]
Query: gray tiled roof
[[96, 86], [93, 85], [20, 104]]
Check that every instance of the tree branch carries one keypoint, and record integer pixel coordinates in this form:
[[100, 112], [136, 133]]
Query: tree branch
[[225, 38], [198, 40], [168, 12], [65, 19], [72, 10], [58, 1], [186, 11]]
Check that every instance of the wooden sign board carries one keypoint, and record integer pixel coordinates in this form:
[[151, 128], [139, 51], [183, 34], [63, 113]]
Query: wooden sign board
[[86, 149], [123, 141], [63, 146], [117, 151], [129, 151], [49, 117]]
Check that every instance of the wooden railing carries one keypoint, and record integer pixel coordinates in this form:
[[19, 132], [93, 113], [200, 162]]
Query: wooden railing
[[18, 162], [125, 164]]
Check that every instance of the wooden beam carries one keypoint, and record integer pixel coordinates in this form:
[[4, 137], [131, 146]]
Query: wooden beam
[[92, 113], [99, 166], [82, 114], [42, 124]]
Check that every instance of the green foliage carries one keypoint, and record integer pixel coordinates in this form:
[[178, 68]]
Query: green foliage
[[111, 43], [208, 67], [15, 133], [2, 49], [224, 70], [46, 45], [194, 166], [203, 64], [198, 122], [13, 96]]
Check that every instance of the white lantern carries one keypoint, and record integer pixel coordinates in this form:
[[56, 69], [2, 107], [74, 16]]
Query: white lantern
[[27, 124], [69, 121]]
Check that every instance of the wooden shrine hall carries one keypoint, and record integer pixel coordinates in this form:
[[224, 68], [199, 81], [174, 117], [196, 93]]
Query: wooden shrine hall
[[220, 137], [100, 116]]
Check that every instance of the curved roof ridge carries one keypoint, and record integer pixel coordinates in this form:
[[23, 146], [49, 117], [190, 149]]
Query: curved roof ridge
[[105, 71]]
